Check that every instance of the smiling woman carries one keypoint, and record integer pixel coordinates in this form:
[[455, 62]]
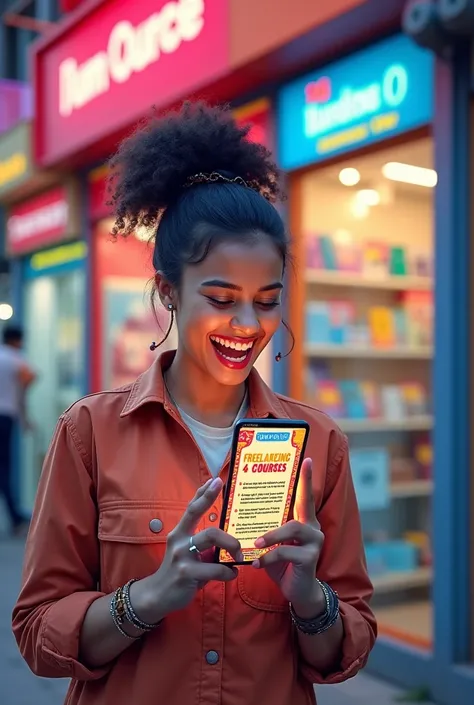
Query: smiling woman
[[125, 525]]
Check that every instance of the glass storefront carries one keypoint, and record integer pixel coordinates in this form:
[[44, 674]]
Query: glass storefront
[[54, 320], [124, 321], [366, 226], [355, 139]]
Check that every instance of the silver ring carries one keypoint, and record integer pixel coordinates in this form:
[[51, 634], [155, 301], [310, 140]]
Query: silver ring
[[193, 548]]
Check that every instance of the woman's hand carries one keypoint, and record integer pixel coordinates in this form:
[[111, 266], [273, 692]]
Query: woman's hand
[[183, 571], [292, 565]]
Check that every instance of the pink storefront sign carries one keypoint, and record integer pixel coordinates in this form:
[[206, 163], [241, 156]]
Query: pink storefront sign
[[112, 60], [38, 222]]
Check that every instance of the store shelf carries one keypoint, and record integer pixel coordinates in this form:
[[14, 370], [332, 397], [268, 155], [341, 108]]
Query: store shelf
[[393, 283], [413, 488], [391, 582], [413, 423], [316, 350]]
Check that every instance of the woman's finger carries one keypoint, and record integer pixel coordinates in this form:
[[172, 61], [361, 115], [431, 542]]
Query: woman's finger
[[291, 531], [216, 538], [305, 510], [204, 572], [201, 502], [299, 555]]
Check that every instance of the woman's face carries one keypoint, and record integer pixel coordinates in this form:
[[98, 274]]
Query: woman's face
[[229, 307]]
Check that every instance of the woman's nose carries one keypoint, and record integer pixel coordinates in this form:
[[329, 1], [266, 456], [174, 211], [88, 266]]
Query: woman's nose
[[246, 321]]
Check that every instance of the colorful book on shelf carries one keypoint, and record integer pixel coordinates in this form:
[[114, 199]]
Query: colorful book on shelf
[[318, 323], [418, 306], [314, 257], [329, 399], [342, 316], [376, 259], [392, 402], [423, 454], [382, 326], [414, 398], [371, 475], [400, 325], [328, 252], [371, 395], [398, 261], [348, 254], [353, 399]]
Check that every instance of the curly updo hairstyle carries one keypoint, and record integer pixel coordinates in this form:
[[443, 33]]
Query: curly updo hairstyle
[[149, 186]]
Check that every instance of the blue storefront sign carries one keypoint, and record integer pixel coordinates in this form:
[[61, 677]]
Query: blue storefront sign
[[372, 95]]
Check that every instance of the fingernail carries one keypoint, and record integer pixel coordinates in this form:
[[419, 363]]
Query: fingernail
[[215, 484], [260, 543], [256, 564]]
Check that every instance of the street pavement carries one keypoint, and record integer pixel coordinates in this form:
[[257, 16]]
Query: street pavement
[[20, 687]]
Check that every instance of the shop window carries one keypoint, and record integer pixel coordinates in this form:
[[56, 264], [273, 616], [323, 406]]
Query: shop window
[[366, 238]]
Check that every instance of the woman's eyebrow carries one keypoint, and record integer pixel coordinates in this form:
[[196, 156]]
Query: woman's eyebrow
[[220, 284]]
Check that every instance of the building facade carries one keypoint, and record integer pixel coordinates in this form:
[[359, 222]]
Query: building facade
[[372, 130]]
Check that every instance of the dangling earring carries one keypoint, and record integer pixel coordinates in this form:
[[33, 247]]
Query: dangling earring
[[154, 345], [279, 356]]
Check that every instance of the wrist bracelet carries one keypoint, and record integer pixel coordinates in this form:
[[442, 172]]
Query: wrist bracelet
[[321, 624], [117, 612], [130, 613]]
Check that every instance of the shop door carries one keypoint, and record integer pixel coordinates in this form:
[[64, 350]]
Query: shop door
[[54, 327]]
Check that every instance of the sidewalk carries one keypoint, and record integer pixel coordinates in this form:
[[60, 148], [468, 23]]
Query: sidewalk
[[21, 687]]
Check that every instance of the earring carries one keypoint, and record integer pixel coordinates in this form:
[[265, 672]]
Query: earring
[[279, 356], [154, 345]]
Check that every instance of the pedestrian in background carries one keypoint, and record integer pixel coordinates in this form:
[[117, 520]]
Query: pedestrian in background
[[15, 378], [120, 591]]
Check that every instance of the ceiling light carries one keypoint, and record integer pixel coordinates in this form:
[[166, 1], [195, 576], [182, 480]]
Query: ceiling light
[[409, 174], [359, 209], [6, 312], [368, 196], [349, 176]]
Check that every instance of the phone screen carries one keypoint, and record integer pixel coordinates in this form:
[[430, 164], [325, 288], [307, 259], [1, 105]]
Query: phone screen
[[262, 485]]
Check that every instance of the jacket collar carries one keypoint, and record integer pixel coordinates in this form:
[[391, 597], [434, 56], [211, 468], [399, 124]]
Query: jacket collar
[[150, 388]]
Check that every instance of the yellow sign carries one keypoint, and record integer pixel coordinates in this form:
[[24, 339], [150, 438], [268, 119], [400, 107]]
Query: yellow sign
[[352, 136], [13, 168], [58, 256]]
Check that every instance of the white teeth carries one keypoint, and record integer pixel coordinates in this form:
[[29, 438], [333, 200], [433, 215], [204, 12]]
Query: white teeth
[[233, 359], [230, 344]]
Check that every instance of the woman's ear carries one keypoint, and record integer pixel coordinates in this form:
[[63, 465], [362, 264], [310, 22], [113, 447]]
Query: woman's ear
[[165, 290]]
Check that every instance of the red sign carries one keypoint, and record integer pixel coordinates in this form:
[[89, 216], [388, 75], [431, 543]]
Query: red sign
[[68, 5], [98, 196], [259, 116], [38, 222], [105, 69]]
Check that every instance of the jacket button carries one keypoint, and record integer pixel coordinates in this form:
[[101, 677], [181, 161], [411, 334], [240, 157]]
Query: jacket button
[[156, 525], [213, 517], [212, 657]]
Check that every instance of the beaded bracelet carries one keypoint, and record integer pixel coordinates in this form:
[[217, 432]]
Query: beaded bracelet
[[311, 627], [117, 612], [130, 612]]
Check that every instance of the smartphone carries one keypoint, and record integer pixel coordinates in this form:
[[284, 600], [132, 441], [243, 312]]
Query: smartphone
[[260, 492]]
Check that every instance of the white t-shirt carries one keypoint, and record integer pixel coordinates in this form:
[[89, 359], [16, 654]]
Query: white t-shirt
[[214, 443], [11, 362]]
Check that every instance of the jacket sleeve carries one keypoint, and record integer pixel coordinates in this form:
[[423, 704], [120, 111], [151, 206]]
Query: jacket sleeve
[[61, 566], [343, 566]]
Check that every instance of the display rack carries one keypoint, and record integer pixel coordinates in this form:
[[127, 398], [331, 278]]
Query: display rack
[[362, 318]]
